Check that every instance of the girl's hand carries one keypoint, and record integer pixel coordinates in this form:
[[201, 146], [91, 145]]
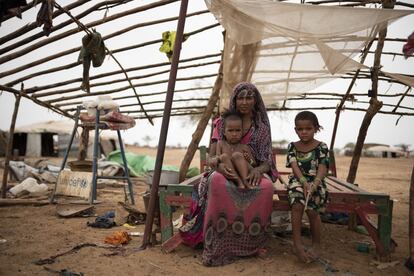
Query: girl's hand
[[254, 177], [314, 187], [309, 187]]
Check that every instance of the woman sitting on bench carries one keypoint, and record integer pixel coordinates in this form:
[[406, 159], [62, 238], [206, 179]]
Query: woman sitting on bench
[[231, 222]]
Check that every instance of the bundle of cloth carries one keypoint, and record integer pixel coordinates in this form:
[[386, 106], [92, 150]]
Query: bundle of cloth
[[93, 50], [109, 114]]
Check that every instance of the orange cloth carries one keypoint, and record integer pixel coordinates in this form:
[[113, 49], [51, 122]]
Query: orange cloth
[[117, 238]]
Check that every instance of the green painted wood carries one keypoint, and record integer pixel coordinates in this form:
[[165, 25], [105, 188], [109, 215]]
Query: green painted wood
[[165, 217], [180, 189], [203, 158], [385, 226]]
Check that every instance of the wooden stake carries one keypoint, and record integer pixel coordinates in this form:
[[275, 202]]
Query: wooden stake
[[198, 134], [339, 109], [375, 105], [10, 145], [411, 219], [83, 144]]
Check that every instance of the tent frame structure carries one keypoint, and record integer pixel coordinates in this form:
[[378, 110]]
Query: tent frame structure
[[64, 100]]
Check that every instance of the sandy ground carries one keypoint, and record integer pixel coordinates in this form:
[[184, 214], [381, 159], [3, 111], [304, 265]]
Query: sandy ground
[[33, 233]]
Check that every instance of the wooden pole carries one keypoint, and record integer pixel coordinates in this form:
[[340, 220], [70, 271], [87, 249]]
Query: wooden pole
[[10, 144], [339, 109], [198, 134], [83, 144], [82, 95], [143, 76], [411, 220], [373, 109], [375, 105], [79, 80], [107, 19], [164, 125]]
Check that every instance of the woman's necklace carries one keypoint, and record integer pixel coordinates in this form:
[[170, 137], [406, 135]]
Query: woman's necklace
[[247, 128]]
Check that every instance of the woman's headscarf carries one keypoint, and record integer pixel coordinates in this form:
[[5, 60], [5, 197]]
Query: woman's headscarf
[[261, 140]]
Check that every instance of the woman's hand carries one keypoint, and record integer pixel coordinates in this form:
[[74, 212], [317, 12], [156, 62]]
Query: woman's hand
[[213, 162], [254, 176], [226, 171]]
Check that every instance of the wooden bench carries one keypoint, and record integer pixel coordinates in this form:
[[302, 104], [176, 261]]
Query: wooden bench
[[343, 197]]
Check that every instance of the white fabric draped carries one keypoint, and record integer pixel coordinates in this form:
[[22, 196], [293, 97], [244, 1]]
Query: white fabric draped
[[288, 49]]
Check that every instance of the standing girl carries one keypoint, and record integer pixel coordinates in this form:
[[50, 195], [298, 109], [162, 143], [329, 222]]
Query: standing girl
[[307, 192]]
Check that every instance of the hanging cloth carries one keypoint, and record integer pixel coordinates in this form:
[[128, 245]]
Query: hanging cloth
[[168, 40], [408, 48], [45, 16], [93, 50], [11, 7]]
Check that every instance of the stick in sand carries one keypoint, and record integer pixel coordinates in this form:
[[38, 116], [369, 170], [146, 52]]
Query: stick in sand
[[307, 197]]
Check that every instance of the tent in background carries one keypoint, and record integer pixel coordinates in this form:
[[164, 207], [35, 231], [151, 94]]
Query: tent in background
[[51, 138]]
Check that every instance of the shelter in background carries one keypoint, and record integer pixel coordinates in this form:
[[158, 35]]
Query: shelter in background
[[51, 139], [384, 151]]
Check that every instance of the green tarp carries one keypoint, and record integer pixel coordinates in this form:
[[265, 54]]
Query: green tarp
[[138, 164]]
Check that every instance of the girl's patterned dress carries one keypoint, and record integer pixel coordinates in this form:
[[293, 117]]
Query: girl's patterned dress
[[308, 163]]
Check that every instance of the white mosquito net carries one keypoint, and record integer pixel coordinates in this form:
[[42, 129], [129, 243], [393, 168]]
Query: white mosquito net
[[288, 49]]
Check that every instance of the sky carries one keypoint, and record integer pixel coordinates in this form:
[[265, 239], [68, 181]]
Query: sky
[[383, 129]]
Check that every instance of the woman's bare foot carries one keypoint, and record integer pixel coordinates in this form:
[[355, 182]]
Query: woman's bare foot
[[263, 253]]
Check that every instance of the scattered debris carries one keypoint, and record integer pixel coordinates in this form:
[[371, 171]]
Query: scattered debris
[[63, 272], [409, 264], [178, 222], [51, 259], [363, 246], [361, 230], [381, 266], [328, 268], [104, 221], [154, 265], [72, 210], [135, 216], [118, 238], [126, 225], [15, 202], [30, 186]]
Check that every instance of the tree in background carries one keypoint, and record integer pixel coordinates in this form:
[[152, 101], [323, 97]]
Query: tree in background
[[147, 139], [404, 147]]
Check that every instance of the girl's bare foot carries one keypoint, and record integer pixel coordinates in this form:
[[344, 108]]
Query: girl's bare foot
[[301, 254], [312, 252]]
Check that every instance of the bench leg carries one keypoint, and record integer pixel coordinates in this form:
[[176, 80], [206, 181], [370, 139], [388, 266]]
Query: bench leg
[[385, 227], [172, 243], [165, 217], [372, 231]]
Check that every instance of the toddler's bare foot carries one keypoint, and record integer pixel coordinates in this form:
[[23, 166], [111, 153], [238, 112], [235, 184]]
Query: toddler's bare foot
[[248, 186]]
